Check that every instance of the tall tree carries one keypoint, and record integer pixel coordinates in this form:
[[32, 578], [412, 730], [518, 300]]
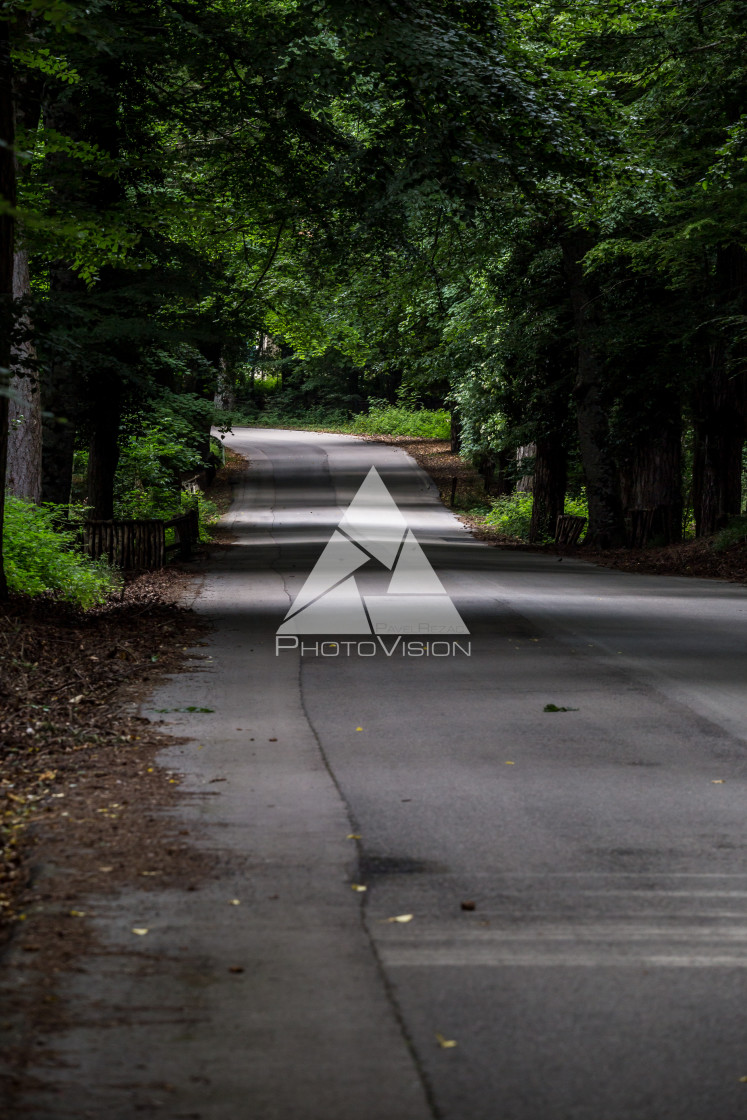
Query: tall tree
[[7, 228]]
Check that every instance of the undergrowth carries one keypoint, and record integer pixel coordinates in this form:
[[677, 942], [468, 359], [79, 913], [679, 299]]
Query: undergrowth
[[40, 557], [512, 513]]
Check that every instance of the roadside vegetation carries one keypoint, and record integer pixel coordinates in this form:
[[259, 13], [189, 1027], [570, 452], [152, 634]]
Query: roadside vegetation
[[520, 259]]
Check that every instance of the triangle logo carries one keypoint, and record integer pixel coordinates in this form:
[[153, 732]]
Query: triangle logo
[[373, 535]]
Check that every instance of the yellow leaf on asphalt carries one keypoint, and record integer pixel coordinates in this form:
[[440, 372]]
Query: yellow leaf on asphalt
[[402, 918], [139, 931], [743, 1080], [510, 764], [359, 729], [445, 1043], [234, 902], [358, 887], [353, 836], [717, 781]]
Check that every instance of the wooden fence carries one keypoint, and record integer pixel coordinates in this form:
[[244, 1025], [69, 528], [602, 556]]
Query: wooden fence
[[142, 543]]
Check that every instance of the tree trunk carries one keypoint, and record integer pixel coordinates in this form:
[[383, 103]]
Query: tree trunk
[[548, 485], [652, 481], [61, 392], [103, 450], [720, 408], [7, 231], [606, 528], [524, 480], [456, 432], [717, 463], [25, 421]]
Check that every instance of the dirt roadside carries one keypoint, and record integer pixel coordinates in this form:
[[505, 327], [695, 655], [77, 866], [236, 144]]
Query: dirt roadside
[[83, 802]]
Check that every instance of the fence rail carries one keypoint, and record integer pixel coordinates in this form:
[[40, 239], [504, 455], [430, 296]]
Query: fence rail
[[140, 544]]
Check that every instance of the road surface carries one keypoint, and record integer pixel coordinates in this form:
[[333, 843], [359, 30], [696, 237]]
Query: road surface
[[602, 973]]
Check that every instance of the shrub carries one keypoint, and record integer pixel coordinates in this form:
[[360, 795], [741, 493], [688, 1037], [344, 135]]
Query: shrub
[[512, 513], [40, 557], [733, 533], [386, 419]]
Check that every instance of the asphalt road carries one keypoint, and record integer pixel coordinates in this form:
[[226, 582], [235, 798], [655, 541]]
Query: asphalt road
[[602, 972]]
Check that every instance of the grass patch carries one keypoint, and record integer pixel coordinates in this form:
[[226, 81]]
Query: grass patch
[[382, 419], [386, 419]]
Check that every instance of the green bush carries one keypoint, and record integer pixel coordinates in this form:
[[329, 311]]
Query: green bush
[[207, 511], [311, 419], [734, 533], [39, 557], [386, 419], [512, 513], [382, 419], [154, 452]]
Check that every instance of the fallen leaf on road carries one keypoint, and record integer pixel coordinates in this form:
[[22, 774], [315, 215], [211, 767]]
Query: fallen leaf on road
[[469, 905], [717, 781], [236, 968], [359, 729], [510, 764], [234, 902], [555, 708], [353, 836], [139, 931], [401, 918], [358, 887], [445, 1043], [743, 1080]]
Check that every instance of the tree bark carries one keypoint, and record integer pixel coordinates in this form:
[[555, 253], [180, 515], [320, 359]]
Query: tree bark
[[606, 528], [720, 408], [548, 485], [103, 449], [61, 392], [7, 232], [652, 480], [456, 432], [25, 420]]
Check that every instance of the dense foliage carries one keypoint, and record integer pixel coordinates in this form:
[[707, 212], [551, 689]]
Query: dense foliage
[[532, 215], [40, 557]]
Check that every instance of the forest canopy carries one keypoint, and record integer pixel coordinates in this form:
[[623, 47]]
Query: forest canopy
[[531, 214]]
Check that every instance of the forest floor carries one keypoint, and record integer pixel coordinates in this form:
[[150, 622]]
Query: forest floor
[[78, 766], [696, 558], [82, 797]]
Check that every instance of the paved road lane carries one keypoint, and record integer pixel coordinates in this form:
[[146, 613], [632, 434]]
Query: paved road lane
[[602, 973]]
